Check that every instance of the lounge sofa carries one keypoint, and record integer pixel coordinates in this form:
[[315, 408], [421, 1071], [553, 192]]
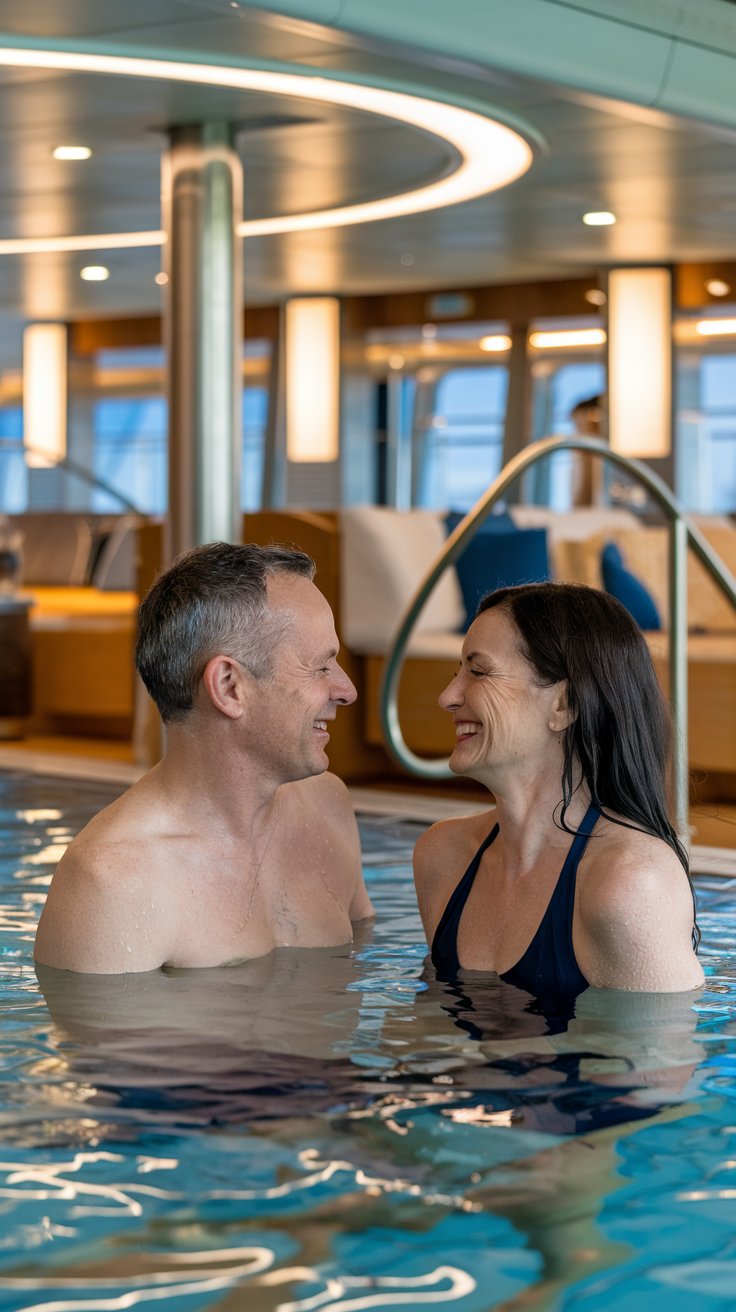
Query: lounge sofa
[[79, 571], [370, 560], [86, 575]]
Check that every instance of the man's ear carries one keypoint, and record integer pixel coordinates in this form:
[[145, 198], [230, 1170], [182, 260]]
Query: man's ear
[[561, 716], [225, 682]]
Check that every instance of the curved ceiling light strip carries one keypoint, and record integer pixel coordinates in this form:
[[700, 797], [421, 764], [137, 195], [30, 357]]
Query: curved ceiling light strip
[[98, 241], [491, 154]]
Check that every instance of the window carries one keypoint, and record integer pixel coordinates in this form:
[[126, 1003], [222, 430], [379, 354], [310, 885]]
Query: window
[[255, 419], [706, 432], [557, 387], [462, 440], [130, 453], [13, 471]]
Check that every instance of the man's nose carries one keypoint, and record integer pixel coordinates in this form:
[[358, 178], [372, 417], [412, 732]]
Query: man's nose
[[343, 691]]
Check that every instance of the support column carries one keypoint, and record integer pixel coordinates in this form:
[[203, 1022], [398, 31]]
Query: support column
[[516, 427], [202, 203]]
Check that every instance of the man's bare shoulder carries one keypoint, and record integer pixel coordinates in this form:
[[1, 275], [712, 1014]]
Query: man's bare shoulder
[[320, 788], [324, 795], [101, 915], [137, 810], [324, 824], [105, 913]]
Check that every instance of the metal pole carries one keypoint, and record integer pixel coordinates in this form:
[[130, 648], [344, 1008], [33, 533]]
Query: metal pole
[[516, 426], [202, 193], [678, 671]]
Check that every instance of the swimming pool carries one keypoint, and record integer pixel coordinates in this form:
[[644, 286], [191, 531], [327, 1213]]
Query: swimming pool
[[332, 1130]]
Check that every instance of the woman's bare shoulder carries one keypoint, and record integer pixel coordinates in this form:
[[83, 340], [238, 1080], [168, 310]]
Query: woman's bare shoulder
[[618, 851], [460, 830], [636, 912], [440, 857], [450, 844]]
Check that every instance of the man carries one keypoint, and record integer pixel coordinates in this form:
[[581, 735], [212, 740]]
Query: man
[[588, 471], [237, 841]]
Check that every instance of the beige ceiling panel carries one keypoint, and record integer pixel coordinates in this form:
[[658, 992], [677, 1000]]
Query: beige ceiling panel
[[87, 18]]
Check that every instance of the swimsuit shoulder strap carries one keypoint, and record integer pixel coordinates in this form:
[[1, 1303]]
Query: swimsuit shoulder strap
[[444, 943], [549, 963]]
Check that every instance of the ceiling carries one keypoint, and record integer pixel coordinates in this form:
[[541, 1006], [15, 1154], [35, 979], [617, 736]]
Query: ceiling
[[672, 182]]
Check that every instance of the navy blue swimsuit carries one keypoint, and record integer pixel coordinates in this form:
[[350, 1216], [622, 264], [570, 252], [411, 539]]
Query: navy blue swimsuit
[[548, 966]]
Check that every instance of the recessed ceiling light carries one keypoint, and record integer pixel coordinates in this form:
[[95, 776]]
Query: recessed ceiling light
[[407, 258], [161, 278], [496, 342], [396, 362], [596, 296], [717, 287], [489, 154], [599, 218], [94, 273], [71, 152], [429, 331]]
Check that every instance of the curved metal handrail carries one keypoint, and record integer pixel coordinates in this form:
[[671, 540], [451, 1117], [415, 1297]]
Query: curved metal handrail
[[71, 467], [683, 534]]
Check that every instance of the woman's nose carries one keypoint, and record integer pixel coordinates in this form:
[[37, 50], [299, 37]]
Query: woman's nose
[[451, 697]]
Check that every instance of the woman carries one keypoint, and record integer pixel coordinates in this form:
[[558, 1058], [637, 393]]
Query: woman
[[578, 877]]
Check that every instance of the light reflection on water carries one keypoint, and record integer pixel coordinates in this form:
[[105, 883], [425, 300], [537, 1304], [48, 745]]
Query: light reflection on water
[[334, 1130]]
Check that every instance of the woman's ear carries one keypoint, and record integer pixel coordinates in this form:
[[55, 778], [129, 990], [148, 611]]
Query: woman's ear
[[225, 683], [561, 716]]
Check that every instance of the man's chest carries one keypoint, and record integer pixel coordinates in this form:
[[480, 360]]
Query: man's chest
[[239, 912]]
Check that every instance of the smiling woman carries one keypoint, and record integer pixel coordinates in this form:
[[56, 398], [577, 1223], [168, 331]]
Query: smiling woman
[[558, 712]]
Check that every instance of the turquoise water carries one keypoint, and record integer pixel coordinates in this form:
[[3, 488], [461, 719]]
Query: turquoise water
[[334, 1130]]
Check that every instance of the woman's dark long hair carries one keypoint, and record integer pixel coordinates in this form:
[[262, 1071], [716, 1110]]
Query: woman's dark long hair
[[621, 733]]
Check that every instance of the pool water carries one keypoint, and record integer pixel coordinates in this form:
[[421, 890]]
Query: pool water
[[335, 1130]]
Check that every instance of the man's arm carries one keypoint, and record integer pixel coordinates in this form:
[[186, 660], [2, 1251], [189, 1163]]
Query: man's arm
[[96, 922]]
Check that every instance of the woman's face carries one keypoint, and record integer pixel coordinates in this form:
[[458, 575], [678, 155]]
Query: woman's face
[[504, 720]]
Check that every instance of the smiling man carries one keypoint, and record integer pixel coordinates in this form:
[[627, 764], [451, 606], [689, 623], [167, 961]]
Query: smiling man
[[238, 841]]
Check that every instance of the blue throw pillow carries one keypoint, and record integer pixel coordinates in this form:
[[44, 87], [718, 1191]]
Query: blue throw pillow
[[499, 521], [628, 589], [499, 556]]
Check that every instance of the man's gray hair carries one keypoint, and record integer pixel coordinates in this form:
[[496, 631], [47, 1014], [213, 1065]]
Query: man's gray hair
[[212, 600]]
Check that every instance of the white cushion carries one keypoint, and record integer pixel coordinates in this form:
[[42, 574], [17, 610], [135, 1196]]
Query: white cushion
[[573, 525], [385, 555], [436, 646]]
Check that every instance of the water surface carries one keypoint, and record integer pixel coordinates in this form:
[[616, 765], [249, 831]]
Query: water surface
[[335, 1130]]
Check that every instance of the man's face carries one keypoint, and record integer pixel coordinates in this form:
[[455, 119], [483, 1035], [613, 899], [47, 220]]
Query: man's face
[[293, 707]]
